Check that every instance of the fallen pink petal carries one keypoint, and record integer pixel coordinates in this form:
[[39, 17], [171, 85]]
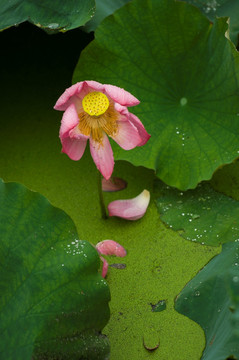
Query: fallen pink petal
[[105, 267], [91, 112], [130, 209], [113, 184], [111, 247]]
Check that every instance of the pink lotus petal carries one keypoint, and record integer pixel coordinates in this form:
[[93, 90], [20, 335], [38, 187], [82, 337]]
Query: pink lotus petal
[[76, 92], [110, 247], [123, 110], [113, 184], [94, 85], [76, 134], [141, 129], [69, 120], [132, 209], [102, 155], [127, 135], [69, 96], [120, 95], [74, 148], [105, 267]]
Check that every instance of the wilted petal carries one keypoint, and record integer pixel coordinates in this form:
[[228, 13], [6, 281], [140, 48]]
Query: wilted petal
[[105, 267], [102, 155], [113, 184], [127, 135], [110, 247], [131, 209], [120, 95], [141, 129]]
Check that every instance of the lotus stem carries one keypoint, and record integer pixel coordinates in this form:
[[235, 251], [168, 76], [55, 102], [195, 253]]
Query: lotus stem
[[101, 197]]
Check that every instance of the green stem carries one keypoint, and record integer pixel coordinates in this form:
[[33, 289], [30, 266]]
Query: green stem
[[101, 198]]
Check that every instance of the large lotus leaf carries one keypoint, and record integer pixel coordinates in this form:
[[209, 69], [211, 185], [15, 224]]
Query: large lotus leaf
[[185, 72], [202, 215], [52, 15], [52, 297], [103, 9], [211, 299], [220, 8]]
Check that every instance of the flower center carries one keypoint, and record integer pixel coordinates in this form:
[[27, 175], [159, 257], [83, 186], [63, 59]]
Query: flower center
[[95, 103]]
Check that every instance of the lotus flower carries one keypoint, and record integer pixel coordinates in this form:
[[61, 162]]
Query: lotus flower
[[130, 209], [93, 111], [109, 247]]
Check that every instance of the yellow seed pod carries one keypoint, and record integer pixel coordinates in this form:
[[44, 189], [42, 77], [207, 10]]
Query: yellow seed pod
[[95, 103]]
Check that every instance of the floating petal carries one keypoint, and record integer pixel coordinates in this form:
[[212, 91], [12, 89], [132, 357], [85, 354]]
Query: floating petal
[[113, 184], [131, 209], [111, 247], [105, 267]]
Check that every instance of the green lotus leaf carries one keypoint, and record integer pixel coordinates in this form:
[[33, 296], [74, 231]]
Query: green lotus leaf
[[202, 215], [185, 73], [211, 299], [221, 8], [53, 300], [103, 9], [54, 15]]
